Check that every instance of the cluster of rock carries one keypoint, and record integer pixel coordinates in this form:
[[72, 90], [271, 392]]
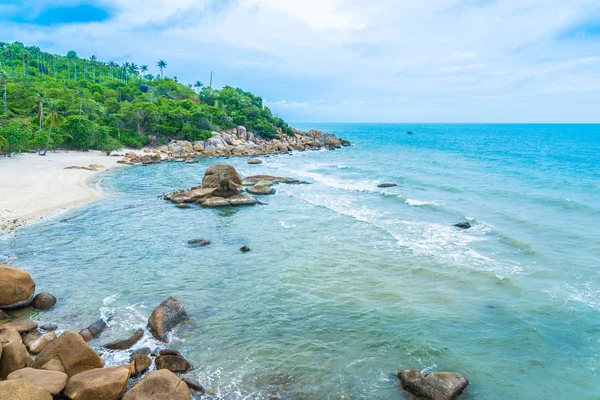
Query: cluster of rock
[[35, 363], [433, 386], [222, 186], [236, 142]]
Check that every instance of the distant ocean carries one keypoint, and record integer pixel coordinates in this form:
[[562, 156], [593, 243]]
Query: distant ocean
[[348, 283]]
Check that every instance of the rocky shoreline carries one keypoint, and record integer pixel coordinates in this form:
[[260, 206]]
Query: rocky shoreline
[[36, 363]]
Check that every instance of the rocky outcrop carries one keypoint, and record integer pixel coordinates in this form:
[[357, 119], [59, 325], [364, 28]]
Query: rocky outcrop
[[73, 353], [126, 343], [43, 301], [100, 383], [166, 317], [51, 381], [159, 385], [16, 287], [261, 189], [36, 341], [224, 179], [9, 335], [433, 386], [22, 389], [19, 324], [14, 357]]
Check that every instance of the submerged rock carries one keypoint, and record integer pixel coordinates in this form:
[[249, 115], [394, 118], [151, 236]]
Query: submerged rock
[[199, 242], [43, 301], [193, 383], [253, 180], [16, 287], [463, 225], [433, 386], [126, 343], [245, 249], [166, 317], [49, 327], [255, 161], [386, 185], [261, 189]]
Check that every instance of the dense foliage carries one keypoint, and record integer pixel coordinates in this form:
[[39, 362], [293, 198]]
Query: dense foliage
[[52, 101]]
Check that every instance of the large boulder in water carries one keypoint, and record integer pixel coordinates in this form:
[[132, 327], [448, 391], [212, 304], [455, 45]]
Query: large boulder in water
[[433, 386], [167, 316], [72, 352], [100, 383], [43, 301], [224, 179], [126, 343], [16, 287], [159, 385]]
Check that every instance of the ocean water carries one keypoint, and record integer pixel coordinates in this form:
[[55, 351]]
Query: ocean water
[[347, 283]]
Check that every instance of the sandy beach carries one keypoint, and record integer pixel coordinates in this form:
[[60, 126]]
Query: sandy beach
[[32, 186]]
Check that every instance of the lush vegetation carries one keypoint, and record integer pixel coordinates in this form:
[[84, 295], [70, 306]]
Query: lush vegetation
[[52, 101]]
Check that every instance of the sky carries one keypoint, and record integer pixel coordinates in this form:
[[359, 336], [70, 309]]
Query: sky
[[348, 60]]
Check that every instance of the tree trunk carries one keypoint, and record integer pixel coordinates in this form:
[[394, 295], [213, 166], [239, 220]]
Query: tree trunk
[[4, 98], [80, 106], [48, 140]]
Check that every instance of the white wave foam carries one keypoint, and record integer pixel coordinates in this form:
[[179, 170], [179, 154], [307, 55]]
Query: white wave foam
[[419, 203]]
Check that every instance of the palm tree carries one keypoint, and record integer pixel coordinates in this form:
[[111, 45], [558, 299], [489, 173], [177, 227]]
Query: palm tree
[[93, 59], [55, 119], [4, 80], [134, 69], [198, 85], [143, 70], [81, 95], [40, 100], [162, 65]]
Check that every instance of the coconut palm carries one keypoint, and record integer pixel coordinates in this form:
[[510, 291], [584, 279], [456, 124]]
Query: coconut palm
[[54, 118], [40, 100], [4, 82], [162, 65], [144, 69], [93, 60], [198, 85]]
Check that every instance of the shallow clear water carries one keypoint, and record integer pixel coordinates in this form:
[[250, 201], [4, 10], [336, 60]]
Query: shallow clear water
[[346, 283]]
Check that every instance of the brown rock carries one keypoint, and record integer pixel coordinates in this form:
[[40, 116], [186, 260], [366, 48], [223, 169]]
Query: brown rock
[[19, 324], [36, 342], [261, 189], [43, 301], [193, 383], [54, 365], [16, 287], [22, 389], [14, 357], [93, 331], [159, 385], [139, 363], [215, 202], [255, 161], [253, 180], [51, 381], [4, 315], [433, 386], [224, 178], [242, 200], [74, 354], [169, 352], [167, 316], [98, 384], [127, 343], [172, 363], [8, 335]]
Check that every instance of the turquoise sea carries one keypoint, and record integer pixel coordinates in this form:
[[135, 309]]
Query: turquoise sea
[[348, 283]]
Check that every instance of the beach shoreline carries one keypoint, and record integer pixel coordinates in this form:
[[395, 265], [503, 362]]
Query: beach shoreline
[[33, 187]]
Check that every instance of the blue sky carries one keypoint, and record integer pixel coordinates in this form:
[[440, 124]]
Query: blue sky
[[349, 60]]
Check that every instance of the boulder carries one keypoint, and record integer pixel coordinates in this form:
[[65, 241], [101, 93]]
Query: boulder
[[53, 365], [214, 202], [183, 205], [73, 353], [255, 161], [22, 389], [463, 225], [245, 249], [4, 315], [139, 363], [19, 324], [166, 317], [126, 343], [174, 363], [345, 143], [96, 384], [386, 185], [242, 200], [36, 341], [253, 180], [9, 335], [16, 287], [43, 301], [51, 381], [224, 179], [193, 383], [93, 331], [159, 385], [49, 327], [261, 189], [433, 386], [199, 242], [14, 357]]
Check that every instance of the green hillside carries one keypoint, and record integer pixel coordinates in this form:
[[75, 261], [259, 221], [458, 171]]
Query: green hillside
[[52, 101]]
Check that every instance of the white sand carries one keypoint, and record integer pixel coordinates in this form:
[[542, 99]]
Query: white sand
[[33, 186]]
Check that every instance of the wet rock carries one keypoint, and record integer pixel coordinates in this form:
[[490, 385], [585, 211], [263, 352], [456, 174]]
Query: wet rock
[[19, 324], [51, 381], [49, 327], [73, 353], [245, 249], [463, 225], [43, 301], [139, 363], [255, 161], [93, 331], [345, 143], [199, 242], [193, 383], [14, 357], [4, 315], [183, 205], [242, 200], [261, 189], [253, 180], [166, 317], [386, 185], [409, 133], [159, 385], [169, 352], [433, 386], [36, 341], [126, 343], [100, 383], [224, 179], [22, 389], [174, 363], [16, 287]]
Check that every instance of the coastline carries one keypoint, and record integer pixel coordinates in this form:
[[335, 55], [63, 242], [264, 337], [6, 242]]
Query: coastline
[[34, 187]]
